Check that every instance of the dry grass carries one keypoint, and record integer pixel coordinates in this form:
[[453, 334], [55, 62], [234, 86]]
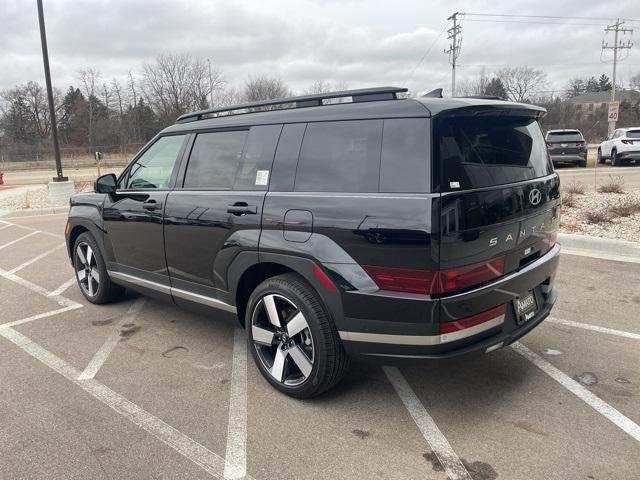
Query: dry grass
[[575, 188], [626, 209], [614, 185], [596, 217], [83, 186], [568, 200]]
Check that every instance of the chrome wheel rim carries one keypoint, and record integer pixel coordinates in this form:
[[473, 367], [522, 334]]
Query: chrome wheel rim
[[87, 269], [282, 339]]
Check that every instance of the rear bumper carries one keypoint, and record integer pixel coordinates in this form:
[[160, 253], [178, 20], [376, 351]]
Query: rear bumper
[[634, 155], [571, 158], [395, 342]]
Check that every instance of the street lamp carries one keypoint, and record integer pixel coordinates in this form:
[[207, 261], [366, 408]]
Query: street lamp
[[52, 111]]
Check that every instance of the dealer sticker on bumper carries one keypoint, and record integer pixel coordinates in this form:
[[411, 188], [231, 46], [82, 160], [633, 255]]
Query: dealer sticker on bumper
[[526, 307]]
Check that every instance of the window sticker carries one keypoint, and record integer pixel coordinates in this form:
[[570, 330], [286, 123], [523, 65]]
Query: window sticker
[[454, 184], [262, 177]]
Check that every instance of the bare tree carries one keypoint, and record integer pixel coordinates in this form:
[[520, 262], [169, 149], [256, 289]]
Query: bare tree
[[265, 88], [228, 96], [323, 86], [178, 83], [473, 86], [521, 82], [88, 79], [31, 99]]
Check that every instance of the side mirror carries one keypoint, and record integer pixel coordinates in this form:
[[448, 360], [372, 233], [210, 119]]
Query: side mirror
[[105, 184]]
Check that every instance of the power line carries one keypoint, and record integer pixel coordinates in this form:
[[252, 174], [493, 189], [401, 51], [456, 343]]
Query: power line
[[536, 22], [618, 45], [425, 54], [564, 17]]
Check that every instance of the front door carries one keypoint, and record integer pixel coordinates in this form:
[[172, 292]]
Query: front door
[[133, 216]]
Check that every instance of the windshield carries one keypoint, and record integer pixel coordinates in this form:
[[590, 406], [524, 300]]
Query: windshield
[[564, 137], [483, 152]]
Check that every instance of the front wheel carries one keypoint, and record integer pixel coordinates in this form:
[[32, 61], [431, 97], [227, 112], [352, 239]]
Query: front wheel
[[91, 272], [615, 161], [600, 157], [292, 338]]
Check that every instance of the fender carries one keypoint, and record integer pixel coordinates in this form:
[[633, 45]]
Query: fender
[[86, 211]]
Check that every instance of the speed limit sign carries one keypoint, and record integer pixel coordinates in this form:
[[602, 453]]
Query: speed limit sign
[[613, 111]]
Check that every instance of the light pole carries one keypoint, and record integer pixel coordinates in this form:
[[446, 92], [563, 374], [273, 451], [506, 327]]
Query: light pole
[[52, 111]]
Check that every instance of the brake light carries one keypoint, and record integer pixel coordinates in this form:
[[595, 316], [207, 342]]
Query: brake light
[[627, 142], [435, 281], [549, 144], [579, 144], [473, 320]]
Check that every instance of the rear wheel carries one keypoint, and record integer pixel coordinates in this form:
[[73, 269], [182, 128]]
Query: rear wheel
[[292, 339], [615, 161], [582, 163], [600, 157], [91, 272]]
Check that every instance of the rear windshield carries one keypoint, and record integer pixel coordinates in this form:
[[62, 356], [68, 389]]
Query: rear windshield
[[633, 134], [482, 152], [564, 137]]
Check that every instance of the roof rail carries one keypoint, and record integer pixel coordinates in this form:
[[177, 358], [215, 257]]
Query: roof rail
[[314, 100], [482, 97]]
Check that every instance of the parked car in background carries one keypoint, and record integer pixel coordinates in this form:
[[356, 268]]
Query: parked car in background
[[384, 229], [621, 146], [567, 147]]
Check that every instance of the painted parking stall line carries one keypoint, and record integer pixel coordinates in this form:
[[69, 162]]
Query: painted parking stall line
[[33, 230], [595, 402], [448, 458], [39, 316], [181, 443], [107, 347], [19, 239], [35, 259], [594, 328], [62, 301], [236, 456], [62, 288]]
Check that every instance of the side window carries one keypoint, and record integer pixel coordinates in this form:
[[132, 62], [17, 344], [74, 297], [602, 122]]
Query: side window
[[340, 157], [404, 166], [214, 160], [253, 173], [153, 169]]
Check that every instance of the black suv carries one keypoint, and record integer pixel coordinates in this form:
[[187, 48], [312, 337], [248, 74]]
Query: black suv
[[383, 228], [567, 147]]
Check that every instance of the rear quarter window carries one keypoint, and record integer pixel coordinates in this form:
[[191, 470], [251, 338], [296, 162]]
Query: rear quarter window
[[477, 152]]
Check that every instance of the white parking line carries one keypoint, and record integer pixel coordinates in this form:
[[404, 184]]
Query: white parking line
[[449, 460], [63, 287], [236, 456], [65, 302], [181, 443], [107, 347], [40, 315], [35, 259], [17, 240], [34, 230], [6, 226], [599, 405], [595, 328]]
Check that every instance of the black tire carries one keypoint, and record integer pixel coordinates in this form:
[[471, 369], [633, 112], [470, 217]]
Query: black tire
[[99, 291], [290, 295], [615, 161], [601, 159], [582, 164]]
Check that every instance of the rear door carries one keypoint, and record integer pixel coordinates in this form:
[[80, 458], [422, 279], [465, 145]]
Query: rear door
[[215, 211], [500, 199]]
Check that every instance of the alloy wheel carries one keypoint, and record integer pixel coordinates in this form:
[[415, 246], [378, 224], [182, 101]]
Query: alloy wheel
[[282, 339], [87, 269]]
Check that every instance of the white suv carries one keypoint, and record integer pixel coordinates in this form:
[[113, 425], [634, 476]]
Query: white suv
[[621, 145]]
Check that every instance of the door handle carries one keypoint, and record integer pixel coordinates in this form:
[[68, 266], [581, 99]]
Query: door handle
[[152, 205], [241, 208]]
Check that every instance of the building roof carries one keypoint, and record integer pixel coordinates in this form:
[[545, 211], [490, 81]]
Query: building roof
[[603, 97]]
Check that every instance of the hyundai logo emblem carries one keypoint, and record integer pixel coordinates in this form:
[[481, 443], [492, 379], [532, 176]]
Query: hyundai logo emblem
[[535, 196]]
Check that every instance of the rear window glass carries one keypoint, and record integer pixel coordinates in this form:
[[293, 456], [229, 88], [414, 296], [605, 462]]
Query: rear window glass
[[340, 157], [633, 134], [483, 152], [564, 137]]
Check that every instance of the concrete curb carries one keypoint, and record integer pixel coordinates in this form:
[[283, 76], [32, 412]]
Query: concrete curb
[[596, 247], [33, 212]]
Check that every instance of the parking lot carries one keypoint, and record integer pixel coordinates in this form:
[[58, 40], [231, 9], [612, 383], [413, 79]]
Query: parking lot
[[142, 389]]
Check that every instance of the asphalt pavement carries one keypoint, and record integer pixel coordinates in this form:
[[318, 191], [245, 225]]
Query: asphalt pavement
[[142, 389]]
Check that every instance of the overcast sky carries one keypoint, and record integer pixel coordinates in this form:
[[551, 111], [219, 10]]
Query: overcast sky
[[361, 43]]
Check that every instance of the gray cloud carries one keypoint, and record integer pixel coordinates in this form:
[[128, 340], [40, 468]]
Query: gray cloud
[[361, 43]]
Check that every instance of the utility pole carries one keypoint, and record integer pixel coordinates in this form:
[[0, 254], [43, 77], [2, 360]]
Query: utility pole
[[618, 46], [455, 35], [52, 111], [210, 85]]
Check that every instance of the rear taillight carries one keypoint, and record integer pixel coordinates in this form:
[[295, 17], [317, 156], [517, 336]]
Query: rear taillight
[[435, 281], [473, 320], [580, 144], [627, 142], [549, 144]]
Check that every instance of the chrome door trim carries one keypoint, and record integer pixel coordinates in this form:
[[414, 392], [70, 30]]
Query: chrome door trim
[[176, 292]]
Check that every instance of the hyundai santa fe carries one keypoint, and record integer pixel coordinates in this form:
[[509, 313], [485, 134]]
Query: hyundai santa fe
[[377, 228]]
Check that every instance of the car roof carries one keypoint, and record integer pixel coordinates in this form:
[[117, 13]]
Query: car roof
[[399, 108], [570, 130]]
